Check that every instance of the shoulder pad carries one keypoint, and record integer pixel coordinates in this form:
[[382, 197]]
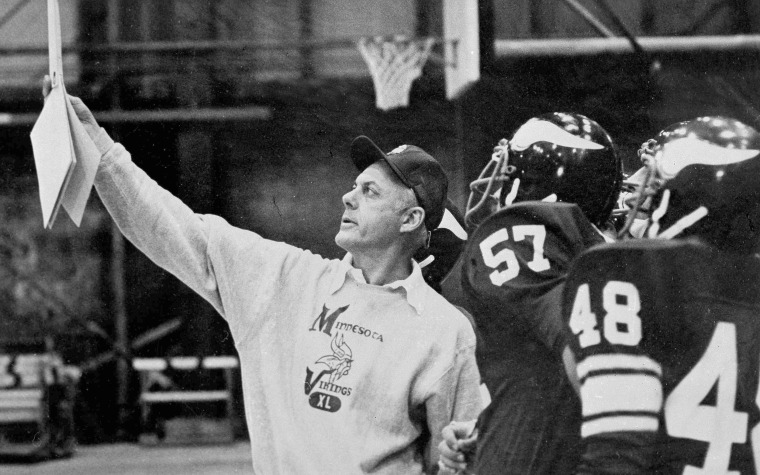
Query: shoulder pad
[[668, 270]]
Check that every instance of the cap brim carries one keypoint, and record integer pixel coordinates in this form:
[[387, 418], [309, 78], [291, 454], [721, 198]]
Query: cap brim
[[364, 153]]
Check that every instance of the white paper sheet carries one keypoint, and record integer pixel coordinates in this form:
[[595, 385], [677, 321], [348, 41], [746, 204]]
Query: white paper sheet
[[64, 155], [54, 157], [77, 191]]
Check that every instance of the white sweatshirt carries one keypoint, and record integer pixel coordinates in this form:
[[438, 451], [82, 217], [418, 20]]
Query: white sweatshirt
[[339, 376]]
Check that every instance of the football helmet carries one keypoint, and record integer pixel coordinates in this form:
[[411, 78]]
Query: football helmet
[[552, 157], [703, 178]]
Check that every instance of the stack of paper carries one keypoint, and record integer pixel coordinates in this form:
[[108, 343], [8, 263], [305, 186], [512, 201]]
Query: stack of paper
[[64, 155]]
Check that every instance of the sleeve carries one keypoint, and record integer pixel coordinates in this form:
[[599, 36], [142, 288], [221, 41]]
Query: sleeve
[[617, 453], [621, 396], [547, 319], [456, 397], [621, 387], [243, 275], [155, 221]]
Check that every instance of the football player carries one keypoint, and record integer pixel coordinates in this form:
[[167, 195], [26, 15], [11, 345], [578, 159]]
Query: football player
[[666, 330], [545, 196]]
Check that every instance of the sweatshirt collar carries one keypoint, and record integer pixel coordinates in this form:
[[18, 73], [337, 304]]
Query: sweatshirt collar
[[413, 285]]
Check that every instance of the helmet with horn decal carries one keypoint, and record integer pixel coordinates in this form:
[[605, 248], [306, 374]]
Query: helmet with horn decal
[[557, 156], [702, 178]]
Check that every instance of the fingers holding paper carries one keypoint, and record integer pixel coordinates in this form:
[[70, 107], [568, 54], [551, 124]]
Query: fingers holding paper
[[66, 140], [82, 112], [65, 153]]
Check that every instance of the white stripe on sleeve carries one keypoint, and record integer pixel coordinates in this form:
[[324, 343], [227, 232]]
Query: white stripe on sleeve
[[612, 362], [614, 393], [619, 423]]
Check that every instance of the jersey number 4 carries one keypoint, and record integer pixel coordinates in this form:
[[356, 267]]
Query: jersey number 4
[[507, 256], [685, 415]]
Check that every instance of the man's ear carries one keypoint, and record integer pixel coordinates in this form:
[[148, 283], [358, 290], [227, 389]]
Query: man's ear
[[413, 219]]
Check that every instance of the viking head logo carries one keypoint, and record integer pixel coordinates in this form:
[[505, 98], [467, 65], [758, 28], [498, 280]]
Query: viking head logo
[[341, 359]]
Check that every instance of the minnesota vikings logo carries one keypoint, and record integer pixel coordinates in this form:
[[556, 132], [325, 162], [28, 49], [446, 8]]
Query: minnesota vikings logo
[[538, 130], [338, 365], [340, 361]]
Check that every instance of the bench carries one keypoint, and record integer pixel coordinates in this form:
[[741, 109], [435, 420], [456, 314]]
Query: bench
[[158, 391], [37, 393]]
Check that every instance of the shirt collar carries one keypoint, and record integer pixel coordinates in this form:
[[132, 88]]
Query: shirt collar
[[414, 285]]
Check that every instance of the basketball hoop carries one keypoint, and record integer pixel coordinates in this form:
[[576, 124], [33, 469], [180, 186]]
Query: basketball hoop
[[394, 63]]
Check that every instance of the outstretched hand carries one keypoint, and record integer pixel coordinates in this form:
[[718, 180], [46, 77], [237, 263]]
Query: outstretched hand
[[80, 109]]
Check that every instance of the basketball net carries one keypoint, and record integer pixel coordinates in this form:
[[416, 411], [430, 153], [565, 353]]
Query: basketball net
[[394, 64]]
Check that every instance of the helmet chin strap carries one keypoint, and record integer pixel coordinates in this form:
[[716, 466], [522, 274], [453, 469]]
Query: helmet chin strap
[[658, 214], [427, 261], [512, 192], [551, 198], [684, 223], [679, 226]]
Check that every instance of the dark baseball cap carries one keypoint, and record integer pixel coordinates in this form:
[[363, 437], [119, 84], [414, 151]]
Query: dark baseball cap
[[415, 168]]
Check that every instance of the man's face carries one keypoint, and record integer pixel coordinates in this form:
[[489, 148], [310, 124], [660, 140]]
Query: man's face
[[373, 211], [633, 188]]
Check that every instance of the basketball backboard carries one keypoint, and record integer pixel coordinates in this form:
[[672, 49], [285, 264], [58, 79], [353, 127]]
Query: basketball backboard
[[461, 42]]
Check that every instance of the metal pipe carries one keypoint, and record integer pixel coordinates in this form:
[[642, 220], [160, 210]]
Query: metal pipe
[[211, 114], [503, 47], [650, 44], [621, 26], [118, 257], [185, 46], [590, 18]]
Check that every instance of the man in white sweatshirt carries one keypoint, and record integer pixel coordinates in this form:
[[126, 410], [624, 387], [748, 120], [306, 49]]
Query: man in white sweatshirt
[[348, 366]]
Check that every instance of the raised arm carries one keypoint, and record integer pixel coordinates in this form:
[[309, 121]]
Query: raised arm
[[151, 218]]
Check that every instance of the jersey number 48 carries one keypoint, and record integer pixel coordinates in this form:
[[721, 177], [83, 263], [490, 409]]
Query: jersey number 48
[[685, 416]]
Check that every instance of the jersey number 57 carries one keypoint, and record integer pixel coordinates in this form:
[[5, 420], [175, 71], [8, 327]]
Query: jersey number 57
[[507, 256]]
